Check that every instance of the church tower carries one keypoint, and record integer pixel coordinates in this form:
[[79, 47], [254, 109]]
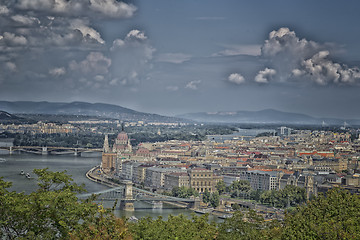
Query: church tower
[[106, 148]]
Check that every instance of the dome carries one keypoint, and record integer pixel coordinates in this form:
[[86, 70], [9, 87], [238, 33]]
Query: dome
[[123, 137]]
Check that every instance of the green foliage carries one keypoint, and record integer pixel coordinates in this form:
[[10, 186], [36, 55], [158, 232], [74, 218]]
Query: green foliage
[[334, 216], [51, 212], [289, 196], [103, 225], [206, 196], [241, 225], [220, 187], [214, 199], [176, 227], [184, 192], [241, 185]]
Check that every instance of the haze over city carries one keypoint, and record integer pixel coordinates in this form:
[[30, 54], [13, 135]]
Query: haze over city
[[173, 57]]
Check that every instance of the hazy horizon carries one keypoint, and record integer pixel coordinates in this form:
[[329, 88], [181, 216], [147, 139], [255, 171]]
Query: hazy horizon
[[175, 57]]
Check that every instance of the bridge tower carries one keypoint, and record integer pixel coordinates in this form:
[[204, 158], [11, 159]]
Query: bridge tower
[[44, 151], [195, 204], [127, 203]]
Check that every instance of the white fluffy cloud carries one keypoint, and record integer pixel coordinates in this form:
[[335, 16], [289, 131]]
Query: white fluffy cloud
[[4, 10], [136, 35], [112, 8], [323, 71], [57, 71], [11, 66], [89, 8], [94, 64], [25, 20], [86, 31], [289, 58], [301, 59], [12, 39], [265, 75], [236, 78], [193, 85]]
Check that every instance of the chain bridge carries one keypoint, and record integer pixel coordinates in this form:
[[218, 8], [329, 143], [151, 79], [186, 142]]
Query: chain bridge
[[126, 194]]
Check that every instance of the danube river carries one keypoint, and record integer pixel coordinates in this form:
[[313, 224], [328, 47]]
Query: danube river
[[11, 166]]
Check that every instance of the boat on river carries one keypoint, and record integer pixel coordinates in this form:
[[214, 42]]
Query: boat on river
[[22, 172], [2, 160], [28, 175]]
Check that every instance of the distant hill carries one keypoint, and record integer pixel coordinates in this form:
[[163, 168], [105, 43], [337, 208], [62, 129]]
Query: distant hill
[[83, 108], [268, 116], [7, 116]]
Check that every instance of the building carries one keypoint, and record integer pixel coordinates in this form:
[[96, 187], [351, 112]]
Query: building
[[176, 179], [155, 176], [122, 150], [202, 179]]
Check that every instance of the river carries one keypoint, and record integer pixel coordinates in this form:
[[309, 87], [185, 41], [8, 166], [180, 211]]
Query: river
[[11, 166], [241, 134]]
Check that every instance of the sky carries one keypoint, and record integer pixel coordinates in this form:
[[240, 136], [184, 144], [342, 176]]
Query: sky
[[172, 57]]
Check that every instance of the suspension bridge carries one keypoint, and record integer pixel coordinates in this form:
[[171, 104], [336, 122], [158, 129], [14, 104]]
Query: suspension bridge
[[126, 194]]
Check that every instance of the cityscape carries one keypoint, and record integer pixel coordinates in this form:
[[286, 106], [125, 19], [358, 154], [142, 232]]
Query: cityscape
[[179, 119]]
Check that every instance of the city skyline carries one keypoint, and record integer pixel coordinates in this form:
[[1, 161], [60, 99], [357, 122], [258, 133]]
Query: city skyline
[[173, 57]]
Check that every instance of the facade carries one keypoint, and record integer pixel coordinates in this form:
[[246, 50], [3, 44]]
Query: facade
[[155, 176], [176, 179], [121, 150], [202, 179]]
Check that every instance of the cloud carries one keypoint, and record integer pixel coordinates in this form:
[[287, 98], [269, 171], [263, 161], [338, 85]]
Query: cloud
[[175, 58], [95, 63], [236, 78], [88, 8], [86, 31], [323, 71], [193, 85], [11, 66], [210, 18], [13, 39], [301, 60], [25, 20], [172, 88], [57, 71], [234, 50], [117, 43], [289, 58], [133, 53], [136, 35], [113, 8], [4, 10], [265, 75]]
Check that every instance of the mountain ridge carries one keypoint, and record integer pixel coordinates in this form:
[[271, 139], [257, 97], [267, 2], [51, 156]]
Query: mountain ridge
[[83, 108], [263, 116]]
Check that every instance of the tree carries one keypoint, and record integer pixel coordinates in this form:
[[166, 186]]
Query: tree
[[335, 215], [51, 212], [214, 199], [241, 225], [241, 185], [206, 196], [103, 225], [220, 187], [176, 227]]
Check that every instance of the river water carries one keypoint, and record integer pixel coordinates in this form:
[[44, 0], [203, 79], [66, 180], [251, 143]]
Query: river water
[[241, 134], [11, 166]]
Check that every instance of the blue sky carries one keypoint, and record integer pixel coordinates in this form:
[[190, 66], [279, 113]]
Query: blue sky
[[172, 57]]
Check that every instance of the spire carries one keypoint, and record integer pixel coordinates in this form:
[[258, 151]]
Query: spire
[[106, 147]]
